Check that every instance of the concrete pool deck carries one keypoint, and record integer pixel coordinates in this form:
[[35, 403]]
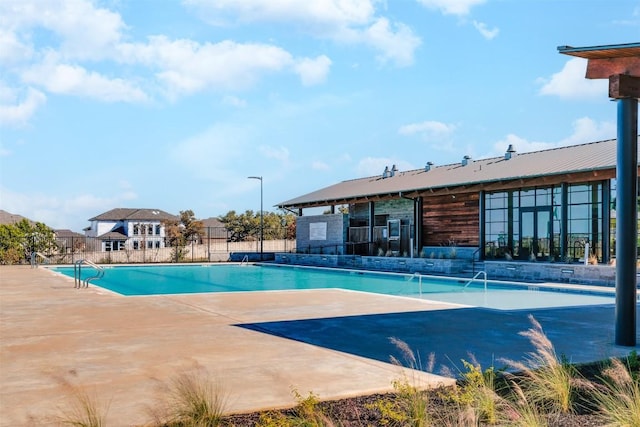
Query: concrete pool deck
[[258, 346]]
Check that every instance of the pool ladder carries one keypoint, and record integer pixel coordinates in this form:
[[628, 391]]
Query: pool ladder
[[245, 260], [483, 273], [34, 259], [77, 273]]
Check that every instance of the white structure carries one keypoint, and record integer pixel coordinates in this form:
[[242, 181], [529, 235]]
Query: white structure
[[125, 228]]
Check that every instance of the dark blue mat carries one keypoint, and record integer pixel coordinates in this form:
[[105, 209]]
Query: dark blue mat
[[581, 334]]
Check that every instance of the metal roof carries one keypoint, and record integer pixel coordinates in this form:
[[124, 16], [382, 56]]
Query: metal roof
[[589, 157]]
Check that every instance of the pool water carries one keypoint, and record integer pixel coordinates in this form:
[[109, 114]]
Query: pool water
[[181, 279]]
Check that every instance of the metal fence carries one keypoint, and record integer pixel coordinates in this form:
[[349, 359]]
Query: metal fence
[[214, 247]]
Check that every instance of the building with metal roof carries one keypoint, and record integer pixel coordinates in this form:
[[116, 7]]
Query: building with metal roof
[[543, 205]]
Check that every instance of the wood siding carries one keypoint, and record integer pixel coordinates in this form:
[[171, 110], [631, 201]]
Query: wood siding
[[448, 220]]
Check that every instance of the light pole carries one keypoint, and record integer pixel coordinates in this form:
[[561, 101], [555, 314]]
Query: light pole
[[261, 216]]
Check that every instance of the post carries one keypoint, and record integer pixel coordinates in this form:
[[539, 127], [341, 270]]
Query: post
[[626, 221], [261, 219]]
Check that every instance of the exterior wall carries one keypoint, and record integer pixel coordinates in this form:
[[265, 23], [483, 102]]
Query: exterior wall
[[552, 272], [451, 220], [325, 234], [144, 238], [374, 263], [401, 209], [100, 227]]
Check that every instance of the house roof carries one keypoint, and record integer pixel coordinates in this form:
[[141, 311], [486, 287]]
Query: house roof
[[212, 222], [113, 235], [129, 214], [591, 157], [66, 233]]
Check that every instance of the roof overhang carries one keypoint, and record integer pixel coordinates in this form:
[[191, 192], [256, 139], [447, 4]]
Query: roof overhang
[[618, 63]]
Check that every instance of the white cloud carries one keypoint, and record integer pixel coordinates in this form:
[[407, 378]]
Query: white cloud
[[396, 46], [61, 212], [571, 82], [278, 153], [320, 166], [313, 71], [318, 13], [84, 30], [483, 29], [344, 21], [12, 50], [428, 130], [585, 130], [234, 101], [76, 80], [16, 112], [452, 7], [214, 155], [185, 66]]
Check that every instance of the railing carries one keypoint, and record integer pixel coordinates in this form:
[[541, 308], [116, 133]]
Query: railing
[[245, 260], [77, 273], [34, 259], [419, 276], [483, 273]]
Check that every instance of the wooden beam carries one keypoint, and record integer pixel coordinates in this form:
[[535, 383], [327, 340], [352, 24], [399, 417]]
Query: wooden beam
[[603, 68], [624, 86]]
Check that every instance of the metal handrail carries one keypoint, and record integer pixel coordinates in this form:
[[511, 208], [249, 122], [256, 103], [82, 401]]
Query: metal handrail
[[77, 273], [484, 273], [245, 260], [419, 276], [34, 258]]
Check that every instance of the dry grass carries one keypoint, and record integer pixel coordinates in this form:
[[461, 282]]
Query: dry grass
[[193, 399], [84, 410], [549, 383], [619, 400]]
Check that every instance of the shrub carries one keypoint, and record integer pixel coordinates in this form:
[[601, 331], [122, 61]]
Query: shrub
[[619, 400], [548, 382]]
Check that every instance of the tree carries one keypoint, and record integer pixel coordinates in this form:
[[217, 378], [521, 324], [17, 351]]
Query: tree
[[240, 227], [18, 241], [246, 226], [181, 231]]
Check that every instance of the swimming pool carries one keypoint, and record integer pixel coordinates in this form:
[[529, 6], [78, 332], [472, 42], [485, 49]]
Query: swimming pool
[[181, 279]]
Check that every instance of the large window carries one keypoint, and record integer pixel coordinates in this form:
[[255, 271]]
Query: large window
[[584, 221], [544, 224]]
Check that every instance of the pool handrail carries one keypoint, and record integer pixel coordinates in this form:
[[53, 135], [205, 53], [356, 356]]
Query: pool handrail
[[484, 273], [34, 258], [77, 270]]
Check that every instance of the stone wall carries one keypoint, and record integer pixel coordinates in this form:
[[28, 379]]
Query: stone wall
[[322, 234], [374, 263], [552, 272]]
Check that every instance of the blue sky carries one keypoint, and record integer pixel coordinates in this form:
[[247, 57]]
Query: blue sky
[[173, 104]]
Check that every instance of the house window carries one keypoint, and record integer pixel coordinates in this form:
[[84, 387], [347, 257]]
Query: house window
[[136, 245], [136, 229], [150, 228], [157, 244], [158, 229], [150, 244]]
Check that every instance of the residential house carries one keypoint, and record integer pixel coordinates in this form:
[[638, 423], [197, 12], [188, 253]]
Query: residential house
[[126, 228]]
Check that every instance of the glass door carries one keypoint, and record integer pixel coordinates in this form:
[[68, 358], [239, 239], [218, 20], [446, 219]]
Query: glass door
[[535, 233]]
